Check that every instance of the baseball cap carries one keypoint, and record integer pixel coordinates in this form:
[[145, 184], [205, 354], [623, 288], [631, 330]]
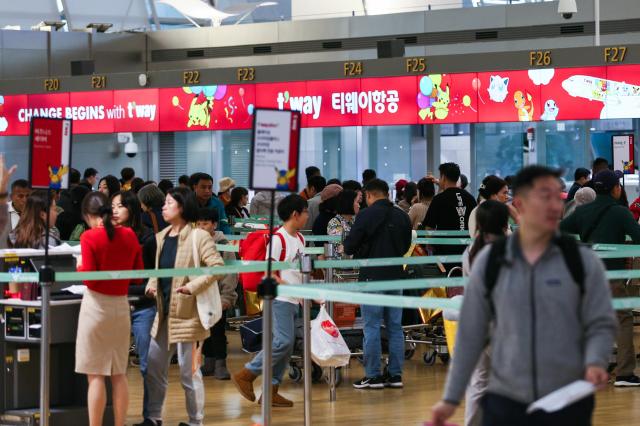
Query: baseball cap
[[606, 180]]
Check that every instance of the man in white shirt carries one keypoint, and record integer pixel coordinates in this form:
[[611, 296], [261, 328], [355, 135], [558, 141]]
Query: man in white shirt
[[20, 191], [287, 245]]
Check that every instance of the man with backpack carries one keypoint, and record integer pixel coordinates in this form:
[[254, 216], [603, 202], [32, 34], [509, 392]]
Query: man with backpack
[[381, 230], [606, 221], [542, 304]]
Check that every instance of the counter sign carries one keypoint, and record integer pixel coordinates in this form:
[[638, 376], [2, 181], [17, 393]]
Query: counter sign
[[50, 153]]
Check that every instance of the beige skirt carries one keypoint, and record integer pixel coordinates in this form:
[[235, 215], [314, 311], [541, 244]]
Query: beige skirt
[[104, 328]]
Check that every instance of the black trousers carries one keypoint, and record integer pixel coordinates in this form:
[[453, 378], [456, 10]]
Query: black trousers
[[501, 411], [216, 345]]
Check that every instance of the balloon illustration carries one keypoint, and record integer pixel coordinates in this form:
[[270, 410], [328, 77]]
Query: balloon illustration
[[188, 90], [423, 101], [476, 86], [241, 91], [176, 102], [426, 85], [220, 92], [466, 101], [250, 109]]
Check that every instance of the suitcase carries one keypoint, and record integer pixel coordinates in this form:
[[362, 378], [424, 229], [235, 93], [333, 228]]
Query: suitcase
[[251, 335]]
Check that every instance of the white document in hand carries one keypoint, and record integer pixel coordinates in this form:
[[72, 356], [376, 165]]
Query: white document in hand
[[563, 397]]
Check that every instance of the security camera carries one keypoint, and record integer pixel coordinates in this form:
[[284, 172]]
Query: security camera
[[143, 80], [567, 8], [131, 149]]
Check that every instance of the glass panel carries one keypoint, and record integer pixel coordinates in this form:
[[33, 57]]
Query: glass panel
[[565, 146], [498, 149]]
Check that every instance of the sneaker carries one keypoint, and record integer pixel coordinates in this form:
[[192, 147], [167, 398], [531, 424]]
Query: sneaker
[[220, 371], [370, 383], [393, 382], [627, 381], [149, 422]]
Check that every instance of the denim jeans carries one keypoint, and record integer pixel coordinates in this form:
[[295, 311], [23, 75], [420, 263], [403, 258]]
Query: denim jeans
[[284, 336], [373, 317], [141, 323]]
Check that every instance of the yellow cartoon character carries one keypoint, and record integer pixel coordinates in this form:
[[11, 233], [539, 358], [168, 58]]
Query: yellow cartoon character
[[200, 112], [55, 176], [440, 108], [283, 177], [525, 112]]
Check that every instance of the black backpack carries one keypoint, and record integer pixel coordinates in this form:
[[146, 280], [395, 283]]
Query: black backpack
[[570, 252]]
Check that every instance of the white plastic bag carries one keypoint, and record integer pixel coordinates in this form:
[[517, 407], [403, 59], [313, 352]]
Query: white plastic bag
[[328, 348]]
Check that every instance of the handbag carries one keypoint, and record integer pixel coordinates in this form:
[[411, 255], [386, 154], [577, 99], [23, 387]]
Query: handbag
[[208, 301], [328, 348]]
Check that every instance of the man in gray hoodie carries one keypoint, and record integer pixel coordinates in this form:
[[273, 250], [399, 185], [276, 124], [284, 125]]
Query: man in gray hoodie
[[545, 330]]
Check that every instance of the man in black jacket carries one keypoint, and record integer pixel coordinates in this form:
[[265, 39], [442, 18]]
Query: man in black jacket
[[381, 230]]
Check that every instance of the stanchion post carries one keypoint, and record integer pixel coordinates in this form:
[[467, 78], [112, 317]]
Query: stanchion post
[[330, 254], [267, 290], [306, 267], [46, 278]]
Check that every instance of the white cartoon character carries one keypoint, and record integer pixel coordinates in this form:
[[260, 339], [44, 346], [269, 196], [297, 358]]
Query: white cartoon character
[[619, 101], [498, 88], [550, 110], [542, 76], [3, 121]]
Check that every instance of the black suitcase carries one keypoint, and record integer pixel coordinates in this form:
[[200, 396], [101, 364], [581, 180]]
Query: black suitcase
[[251, 335]]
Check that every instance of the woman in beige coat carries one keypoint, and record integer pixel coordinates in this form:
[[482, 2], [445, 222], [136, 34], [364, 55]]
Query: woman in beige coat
[[177, 326]]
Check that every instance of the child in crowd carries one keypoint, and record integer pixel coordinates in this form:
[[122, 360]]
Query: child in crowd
[[215, 347], [293, 212]]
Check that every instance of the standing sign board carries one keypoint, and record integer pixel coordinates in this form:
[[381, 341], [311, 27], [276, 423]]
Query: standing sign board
[[275, 150], [623, 153], [50, 153]]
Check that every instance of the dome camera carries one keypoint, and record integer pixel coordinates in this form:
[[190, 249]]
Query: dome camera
[[143, 80], [131, 149], [567, 8]]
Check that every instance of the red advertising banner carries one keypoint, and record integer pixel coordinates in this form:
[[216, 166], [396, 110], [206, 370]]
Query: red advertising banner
[[50, 154], [486, 97], [447, 98]]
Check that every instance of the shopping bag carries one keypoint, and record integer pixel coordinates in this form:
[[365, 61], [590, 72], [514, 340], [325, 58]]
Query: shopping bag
[[328, 348]]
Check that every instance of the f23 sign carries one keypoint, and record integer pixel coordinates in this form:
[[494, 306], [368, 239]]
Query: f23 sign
[[50, 153], [275, 150], [623, 154]]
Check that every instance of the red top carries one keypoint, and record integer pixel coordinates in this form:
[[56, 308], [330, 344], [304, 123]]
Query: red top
[[122, 253]]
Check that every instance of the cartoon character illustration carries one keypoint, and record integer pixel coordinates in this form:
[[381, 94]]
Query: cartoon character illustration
[[525, 112], [541, 76], [56, 174], [3, 121], [627, 167], [498, 88], [200, 112], [550, 110], [620, 99], [283, 177], [440, 108]]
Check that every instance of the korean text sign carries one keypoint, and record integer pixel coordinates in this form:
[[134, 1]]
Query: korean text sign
[[50, 154], [275, 150]]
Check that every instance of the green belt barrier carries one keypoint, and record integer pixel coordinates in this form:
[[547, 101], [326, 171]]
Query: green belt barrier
[[442, 233], [444, 241], [230, 248], [412, 284], [393, 301], [323, 238], [391, 261]]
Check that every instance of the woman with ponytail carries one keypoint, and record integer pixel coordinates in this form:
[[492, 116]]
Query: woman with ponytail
[[492, 218], [104, 327], [496, 189]]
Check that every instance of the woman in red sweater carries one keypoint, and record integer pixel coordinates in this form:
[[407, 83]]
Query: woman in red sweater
[[104, 327]]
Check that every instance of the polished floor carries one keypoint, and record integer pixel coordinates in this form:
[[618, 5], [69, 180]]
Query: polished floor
[[408, 406]]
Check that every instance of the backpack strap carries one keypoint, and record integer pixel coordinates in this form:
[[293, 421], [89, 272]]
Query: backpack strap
[[283, 242], [571, 254], [492, 269]]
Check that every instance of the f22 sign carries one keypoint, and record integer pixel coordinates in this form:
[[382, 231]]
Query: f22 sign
[[275, 150], [623, 153], [50, 153]]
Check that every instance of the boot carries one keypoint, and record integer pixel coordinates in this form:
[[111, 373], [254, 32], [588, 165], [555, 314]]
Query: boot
[[277, 400], [243, 380], [220, 370], [209, 366]]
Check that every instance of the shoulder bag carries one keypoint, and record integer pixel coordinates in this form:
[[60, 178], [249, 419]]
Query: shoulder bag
[[208, 301]]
